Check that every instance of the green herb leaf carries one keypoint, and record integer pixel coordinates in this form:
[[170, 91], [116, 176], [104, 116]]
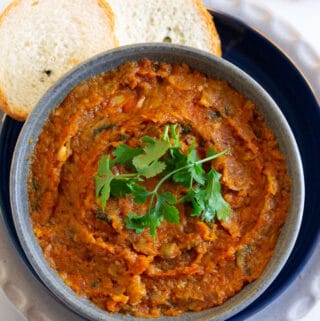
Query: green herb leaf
[[222, 207], [139, 223], [104, 165], [153, 151], [105, 191], [120, 187], [103, 180], [148, 140], [148, 164], [197, 174], [107, 183], [162, 209], [124, 154], [100, 182], [154, 221], [153, 169], [194, 171], [176, 160], [140, 194], [211, 152], [208, 202], [167, 198], [175, 136], [171, 129], [165, 208], [136, 222], [171, 214]]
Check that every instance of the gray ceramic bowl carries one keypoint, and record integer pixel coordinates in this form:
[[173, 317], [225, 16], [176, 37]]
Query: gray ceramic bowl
[[212, 66]]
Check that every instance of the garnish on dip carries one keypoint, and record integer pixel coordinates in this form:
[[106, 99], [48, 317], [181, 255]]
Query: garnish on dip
[[164, 158]]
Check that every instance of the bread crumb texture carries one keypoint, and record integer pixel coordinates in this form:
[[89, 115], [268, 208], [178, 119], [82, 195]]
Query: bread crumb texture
[[185, 22], [41, 40]]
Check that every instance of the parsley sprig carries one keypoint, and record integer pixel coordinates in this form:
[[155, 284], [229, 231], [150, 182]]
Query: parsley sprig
[[162, 156]]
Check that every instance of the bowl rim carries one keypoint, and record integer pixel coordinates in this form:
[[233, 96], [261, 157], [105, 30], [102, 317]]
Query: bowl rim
[[110, 60]]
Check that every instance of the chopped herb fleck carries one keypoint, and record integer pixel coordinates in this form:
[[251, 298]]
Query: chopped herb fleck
[[95, 283], [35, 184], [186, 128], [35, 205], [102, 128], [102, 216], [214, 115], [123, 137], [226, 111]]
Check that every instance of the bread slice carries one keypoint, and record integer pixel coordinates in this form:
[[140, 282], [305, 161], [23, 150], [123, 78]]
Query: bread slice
[[185, 22], [41, 40]]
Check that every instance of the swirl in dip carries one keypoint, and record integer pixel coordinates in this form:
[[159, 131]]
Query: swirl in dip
[[189, 266]]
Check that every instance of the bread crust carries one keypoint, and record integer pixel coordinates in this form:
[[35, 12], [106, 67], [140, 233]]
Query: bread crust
[[110, 14], [14, 3], [12, 111], [17, 112], [209, 21]]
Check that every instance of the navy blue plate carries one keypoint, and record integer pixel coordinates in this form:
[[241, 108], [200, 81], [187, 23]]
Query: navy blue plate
[[252, 52]]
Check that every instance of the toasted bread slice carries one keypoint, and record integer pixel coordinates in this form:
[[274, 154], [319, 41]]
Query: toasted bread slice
[[42, 40], [185, 22]]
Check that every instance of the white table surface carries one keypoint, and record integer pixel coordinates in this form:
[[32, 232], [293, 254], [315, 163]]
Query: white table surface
[[301, 301]]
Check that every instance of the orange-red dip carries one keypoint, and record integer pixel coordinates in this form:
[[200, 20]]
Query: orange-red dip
[[192, 265]]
